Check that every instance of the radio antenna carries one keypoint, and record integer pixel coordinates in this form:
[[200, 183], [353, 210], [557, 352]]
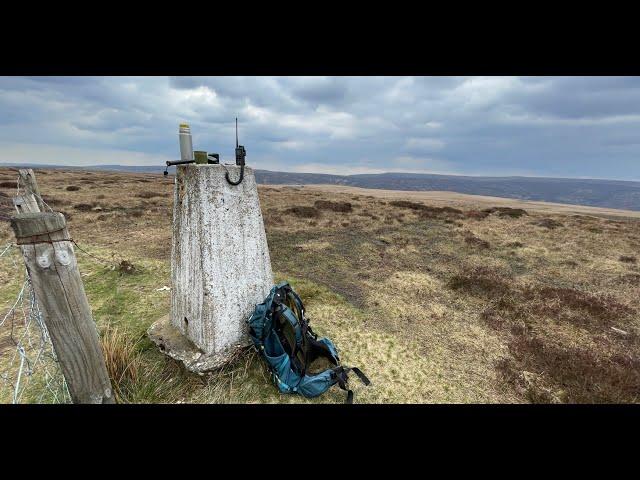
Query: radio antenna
[[241, 153]]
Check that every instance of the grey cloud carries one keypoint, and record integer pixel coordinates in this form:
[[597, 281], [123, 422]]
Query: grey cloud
[[571, 126], [576, 97], [324, 90]]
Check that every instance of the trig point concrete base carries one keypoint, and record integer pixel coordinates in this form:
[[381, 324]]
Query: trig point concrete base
[[220, 266]]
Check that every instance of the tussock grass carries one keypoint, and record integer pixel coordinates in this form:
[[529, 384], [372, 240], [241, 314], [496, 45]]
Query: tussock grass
[[122, 359]]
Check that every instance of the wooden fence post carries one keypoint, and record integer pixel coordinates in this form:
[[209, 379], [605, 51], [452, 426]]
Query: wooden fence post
[[30, 200], [59, 291]]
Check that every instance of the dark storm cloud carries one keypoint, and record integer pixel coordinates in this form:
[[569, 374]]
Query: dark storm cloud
[[571, 126]]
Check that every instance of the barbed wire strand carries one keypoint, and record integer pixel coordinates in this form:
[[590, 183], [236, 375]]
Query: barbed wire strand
[[101, 260], [34, 353]]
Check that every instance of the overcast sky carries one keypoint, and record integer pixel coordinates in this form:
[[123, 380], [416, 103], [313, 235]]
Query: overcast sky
[[544, 126]]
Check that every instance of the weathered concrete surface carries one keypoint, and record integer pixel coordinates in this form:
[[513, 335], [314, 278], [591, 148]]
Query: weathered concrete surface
[[170, 341], [220, 265]]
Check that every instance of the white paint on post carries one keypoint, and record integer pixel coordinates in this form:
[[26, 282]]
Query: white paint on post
[[220, 266]]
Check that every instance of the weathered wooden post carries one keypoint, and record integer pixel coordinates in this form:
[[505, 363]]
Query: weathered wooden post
[[59, 291], [30, 200], [220, 266]]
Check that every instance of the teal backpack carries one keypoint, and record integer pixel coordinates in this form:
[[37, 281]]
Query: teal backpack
[[299, 361]]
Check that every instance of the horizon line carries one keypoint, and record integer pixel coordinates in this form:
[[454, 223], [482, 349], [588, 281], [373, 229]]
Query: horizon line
[[51, 165]]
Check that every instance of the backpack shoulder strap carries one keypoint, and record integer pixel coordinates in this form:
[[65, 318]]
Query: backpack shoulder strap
[[339, 374]]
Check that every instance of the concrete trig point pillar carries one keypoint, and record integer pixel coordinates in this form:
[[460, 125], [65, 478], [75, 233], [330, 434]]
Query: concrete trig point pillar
[[220, 266]]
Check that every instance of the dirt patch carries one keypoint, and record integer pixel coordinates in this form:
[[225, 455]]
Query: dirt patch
[[8, 184], [72, 188]]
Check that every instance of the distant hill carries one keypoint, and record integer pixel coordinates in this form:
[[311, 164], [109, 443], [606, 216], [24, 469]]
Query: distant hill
[[592, 192]]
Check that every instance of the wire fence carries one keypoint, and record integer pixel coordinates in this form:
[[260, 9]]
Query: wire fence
[[29, 369]]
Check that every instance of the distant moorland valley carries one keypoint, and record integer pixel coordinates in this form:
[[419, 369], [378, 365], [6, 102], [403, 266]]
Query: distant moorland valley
[[591, 192]]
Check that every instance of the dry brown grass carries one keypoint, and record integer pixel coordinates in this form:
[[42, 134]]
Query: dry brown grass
[[436, 301], [122, 359]]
